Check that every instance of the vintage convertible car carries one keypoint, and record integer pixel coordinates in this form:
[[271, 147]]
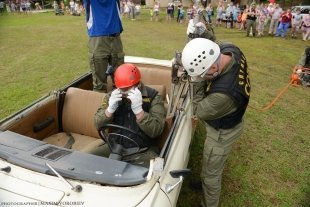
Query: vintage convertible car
[[49, 150]]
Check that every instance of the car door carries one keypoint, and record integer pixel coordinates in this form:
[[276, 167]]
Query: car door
[[178, 154]]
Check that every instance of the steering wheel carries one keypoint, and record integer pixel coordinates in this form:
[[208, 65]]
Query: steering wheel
[[111, 134]]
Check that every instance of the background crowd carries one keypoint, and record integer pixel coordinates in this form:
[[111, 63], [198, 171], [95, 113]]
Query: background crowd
[[71, 7], [261, 19], [256, 20]]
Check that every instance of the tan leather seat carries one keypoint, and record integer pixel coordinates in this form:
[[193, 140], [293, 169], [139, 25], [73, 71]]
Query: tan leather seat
[[160, 88], [79, 109]]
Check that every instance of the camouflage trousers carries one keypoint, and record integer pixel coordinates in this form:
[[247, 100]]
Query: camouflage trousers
[[104, 51], [217, 147]]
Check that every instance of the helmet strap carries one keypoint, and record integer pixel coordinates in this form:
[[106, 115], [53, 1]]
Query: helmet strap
[[215, 74]]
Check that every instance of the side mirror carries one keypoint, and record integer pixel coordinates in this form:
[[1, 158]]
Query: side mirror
[[177, 174]]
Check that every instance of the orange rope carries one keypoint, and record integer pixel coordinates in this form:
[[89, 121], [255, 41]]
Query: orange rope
[[292, 82], [275, 99]]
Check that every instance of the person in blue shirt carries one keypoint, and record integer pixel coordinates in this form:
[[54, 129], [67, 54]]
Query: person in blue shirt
[[104, 27]]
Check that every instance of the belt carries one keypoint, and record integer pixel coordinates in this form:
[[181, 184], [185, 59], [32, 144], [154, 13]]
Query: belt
[[114, 35]]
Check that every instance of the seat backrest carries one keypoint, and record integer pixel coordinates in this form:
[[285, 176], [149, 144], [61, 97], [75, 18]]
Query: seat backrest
[[79, 109], [156, 76], [161, 89]]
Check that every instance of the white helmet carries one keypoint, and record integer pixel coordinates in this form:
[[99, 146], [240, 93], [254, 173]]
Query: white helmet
[[198, 55]]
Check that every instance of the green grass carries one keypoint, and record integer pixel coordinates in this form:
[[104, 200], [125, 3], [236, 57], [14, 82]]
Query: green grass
[[269, 165]]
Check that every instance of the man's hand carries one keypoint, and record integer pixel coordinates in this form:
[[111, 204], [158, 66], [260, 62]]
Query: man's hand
[[200, 24], [201, 27], [190, 27], [115, 97], [135, 97]]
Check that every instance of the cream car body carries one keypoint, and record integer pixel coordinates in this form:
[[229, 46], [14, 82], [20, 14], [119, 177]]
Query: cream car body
[[76, 178]]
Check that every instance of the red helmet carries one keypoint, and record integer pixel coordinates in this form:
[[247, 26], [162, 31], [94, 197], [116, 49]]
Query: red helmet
[[126, 75]]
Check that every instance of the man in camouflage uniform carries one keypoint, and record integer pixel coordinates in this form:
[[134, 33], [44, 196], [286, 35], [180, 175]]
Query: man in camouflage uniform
[[135, 106], [199, 27], [221, 94], [105, 46]]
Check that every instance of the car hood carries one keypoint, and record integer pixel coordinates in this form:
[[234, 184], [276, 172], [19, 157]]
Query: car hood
[[37, 155], [24, 185], [25, 175]]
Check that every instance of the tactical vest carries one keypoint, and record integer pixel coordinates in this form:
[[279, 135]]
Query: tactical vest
[[124, 116], [236, 84], [307, 62]]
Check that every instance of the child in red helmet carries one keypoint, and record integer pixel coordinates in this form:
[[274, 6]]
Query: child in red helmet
[[135, 106]]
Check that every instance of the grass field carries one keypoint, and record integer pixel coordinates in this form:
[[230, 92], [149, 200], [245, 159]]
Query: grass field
[[270, 163]]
